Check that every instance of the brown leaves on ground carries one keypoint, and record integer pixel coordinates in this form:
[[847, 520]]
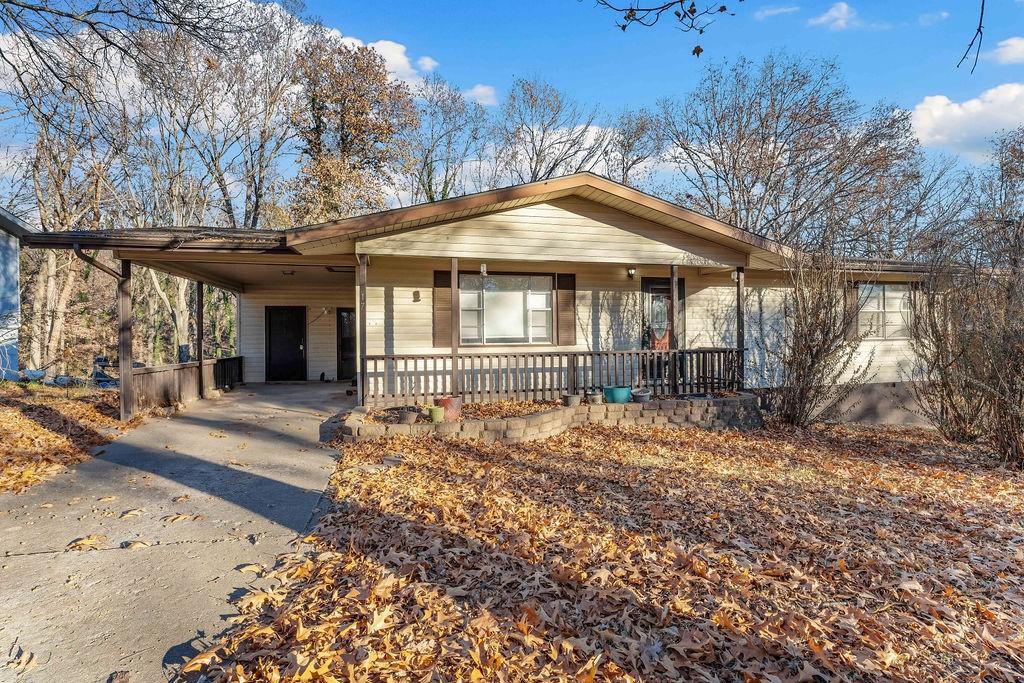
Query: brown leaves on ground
[[46, 429], [650, 554], [492, 410]]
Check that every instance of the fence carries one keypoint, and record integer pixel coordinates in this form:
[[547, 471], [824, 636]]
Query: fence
[[165, 385]]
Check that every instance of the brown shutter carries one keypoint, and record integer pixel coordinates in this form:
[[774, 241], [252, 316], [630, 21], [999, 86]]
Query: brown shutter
[[565, 309], [442, 308], [851, 300]]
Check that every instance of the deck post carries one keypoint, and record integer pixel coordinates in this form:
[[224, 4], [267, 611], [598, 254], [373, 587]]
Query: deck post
[[361, 376], [200, 323], [124, 341], [456, 327], [673, 340], [740, 331]]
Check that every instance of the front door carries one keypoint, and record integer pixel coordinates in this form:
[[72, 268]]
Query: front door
[[286, 343], [346, 343], [657, 313]]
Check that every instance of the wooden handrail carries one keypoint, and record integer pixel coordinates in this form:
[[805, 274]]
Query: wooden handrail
[[402, 379]]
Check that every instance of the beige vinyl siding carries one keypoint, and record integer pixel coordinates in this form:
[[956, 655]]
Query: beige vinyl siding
[[570, 229], [321, 320], [399, 304]]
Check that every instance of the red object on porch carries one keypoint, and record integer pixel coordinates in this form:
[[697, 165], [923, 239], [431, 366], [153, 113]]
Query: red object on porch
[[452, 407]]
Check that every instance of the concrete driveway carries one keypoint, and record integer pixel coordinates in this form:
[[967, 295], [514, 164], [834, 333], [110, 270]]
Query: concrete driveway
[[182, 502]]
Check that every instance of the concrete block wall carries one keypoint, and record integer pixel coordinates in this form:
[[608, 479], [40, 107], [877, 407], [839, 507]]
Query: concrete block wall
[[735, 412]]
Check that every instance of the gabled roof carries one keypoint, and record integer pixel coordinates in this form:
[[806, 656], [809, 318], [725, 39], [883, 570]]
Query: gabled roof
[[334, 235]]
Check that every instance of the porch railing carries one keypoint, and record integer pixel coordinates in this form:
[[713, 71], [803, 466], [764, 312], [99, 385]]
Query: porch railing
[[409, 378]]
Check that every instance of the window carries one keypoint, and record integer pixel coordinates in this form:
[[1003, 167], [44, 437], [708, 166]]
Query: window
[[886, 311], [505, 309]]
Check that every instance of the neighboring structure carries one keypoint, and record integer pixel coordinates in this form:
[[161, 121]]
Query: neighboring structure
[[556, 285], [11, 229]]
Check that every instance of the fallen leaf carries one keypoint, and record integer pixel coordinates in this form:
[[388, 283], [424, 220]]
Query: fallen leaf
[[90, 542]]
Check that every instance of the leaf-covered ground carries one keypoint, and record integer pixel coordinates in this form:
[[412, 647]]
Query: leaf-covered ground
[[649, 554], [46, 429]]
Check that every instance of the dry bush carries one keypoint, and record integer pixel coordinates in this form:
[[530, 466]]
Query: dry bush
[[813, 354]]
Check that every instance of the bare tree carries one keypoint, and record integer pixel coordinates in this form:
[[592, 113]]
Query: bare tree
[[969, 328], [247, 103], [812, 355], [68, 175], [450, 136], [781, 149], [636, 139], [542, 133], [70, 40]]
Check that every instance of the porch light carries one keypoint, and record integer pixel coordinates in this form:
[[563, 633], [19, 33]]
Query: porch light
[[483, 269], [631, 272]]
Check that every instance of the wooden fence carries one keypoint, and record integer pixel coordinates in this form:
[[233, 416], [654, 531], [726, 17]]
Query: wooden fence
[[406, 379], [165, 385]]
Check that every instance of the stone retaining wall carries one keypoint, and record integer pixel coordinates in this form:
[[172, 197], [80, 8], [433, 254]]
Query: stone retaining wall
[[734, 412]]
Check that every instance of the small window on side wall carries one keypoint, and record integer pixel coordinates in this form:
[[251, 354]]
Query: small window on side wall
[[885, 311]]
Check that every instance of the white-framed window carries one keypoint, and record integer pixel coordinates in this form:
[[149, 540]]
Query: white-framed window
[[505, 309], [886, 311]]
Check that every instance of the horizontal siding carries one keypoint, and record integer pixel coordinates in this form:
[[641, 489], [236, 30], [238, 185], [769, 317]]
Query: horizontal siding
[[568, 229], [608, 315], [321, 321], [399, 303]]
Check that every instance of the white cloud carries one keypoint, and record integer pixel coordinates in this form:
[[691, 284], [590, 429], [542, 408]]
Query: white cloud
[[932, 18], [397, 60], [1009, 51], [839, 17], [762, 14], [481, 94], [966, 127]]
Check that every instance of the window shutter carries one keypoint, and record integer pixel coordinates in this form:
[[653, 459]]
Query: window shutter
[[442, 308], [851, 301], [565, 309]]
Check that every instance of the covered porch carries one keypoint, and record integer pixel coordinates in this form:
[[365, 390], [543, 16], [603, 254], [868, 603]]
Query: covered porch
[[653, 355]]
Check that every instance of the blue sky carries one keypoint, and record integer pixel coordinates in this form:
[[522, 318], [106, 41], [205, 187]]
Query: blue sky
[[900, 52]]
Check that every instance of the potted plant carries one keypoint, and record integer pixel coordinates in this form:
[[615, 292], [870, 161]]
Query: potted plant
[[437, 414], [571, 400], [408, 416], [595, 397], [619, 394], [452, 407], [642, 395]]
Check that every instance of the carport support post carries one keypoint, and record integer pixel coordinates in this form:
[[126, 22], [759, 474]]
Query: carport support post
[[124, 341], [740, 341], [199, 337]]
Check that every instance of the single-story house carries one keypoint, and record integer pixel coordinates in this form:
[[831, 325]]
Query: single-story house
[[535, 289]]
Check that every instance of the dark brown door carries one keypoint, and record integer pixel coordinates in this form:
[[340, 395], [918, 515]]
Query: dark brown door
[[346, 343], [286, 343]]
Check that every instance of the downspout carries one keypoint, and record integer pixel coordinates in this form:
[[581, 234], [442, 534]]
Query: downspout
[[96, 264]]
